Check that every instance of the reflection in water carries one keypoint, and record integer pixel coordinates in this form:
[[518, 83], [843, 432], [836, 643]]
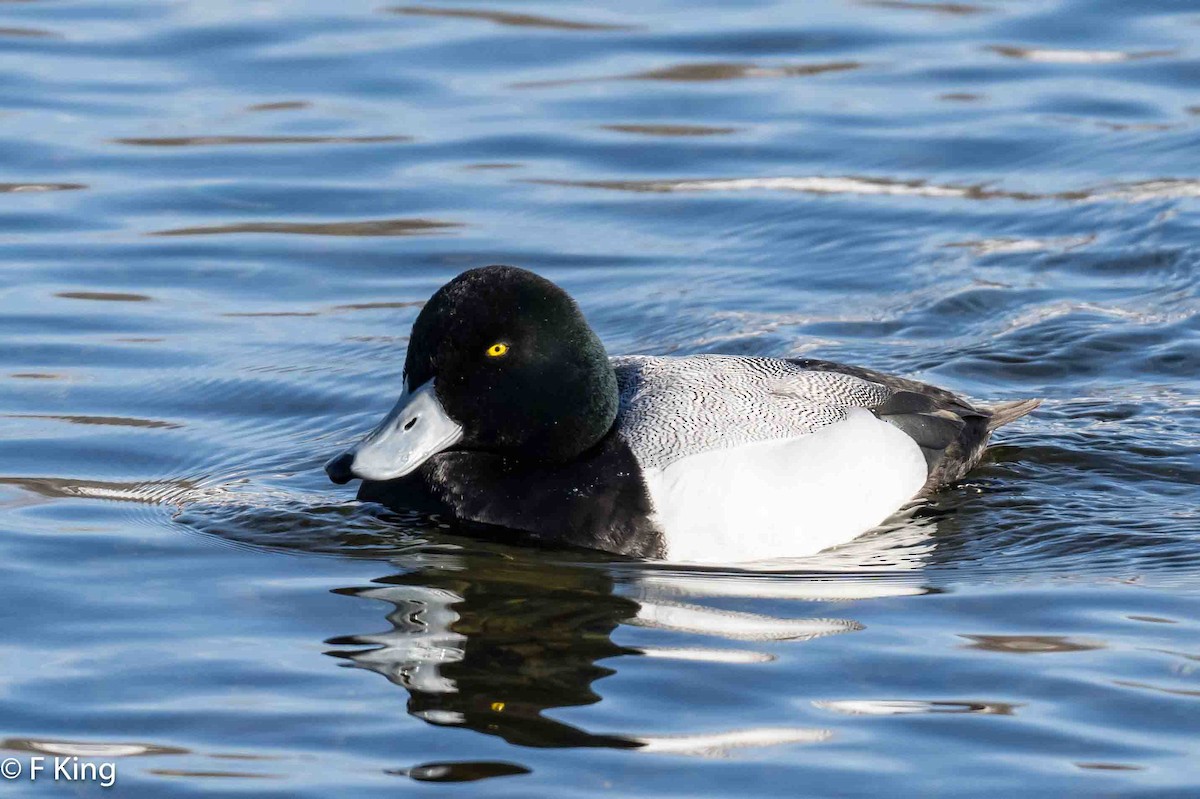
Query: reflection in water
[[283, 105], [1010, 246], [1030, 644], [107, 421], [154, 492], [957, 9], [266, 314], [218, 141], [670, 130], [14, 188], [374, 306], [358, 306], [493, 646], [506, 18], [103, 296], [88, 749], [493, 165], [371, 227], [706, 72], [1076, 56], [1151, 619], [720, 744], [243, 775], [738, 626], [1160, 689], [496, 638], [493, 654], [1139, 191], [464, 771], [734, 71], [907, 707], [29, 33]]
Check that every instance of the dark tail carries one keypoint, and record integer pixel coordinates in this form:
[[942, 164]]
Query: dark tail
[[1006, 412]]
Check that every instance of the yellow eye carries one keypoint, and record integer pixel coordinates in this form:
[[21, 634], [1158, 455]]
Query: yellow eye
[[497, 349]]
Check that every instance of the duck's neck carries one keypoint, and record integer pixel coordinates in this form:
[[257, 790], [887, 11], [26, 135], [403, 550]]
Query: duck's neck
[[586, 411]]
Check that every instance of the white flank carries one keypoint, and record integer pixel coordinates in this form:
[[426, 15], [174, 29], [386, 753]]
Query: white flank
[[789, 498]]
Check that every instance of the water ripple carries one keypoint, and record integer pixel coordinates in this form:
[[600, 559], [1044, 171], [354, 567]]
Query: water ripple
[[506, 18], [15, 188], [1140, 191], [369, 227], [219, 141], [1077, 56], [706, 72]]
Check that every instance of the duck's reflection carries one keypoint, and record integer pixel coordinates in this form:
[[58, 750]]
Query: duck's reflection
[[493, 639], [490, 646]]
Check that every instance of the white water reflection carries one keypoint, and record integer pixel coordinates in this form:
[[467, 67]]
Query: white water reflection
[[699, 620], [1063, 56], [496, 656], [1136, 191], [525, 636], [721, 744], [414, 652], [908, 707]]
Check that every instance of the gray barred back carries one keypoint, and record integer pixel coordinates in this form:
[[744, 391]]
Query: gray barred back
[[675, 407]]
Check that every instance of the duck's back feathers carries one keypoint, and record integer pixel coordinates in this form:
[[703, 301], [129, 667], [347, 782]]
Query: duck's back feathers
[[673, 408], [951, 432]]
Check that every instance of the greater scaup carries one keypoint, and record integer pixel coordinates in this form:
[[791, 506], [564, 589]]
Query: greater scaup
[[514, 416]]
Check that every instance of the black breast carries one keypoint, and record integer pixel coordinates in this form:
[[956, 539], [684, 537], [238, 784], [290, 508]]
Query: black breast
[[597, 500]]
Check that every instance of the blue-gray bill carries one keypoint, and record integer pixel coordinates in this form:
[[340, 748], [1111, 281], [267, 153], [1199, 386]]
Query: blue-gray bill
[[416, 429]]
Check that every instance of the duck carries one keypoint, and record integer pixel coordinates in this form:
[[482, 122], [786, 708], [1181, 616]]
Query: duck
[[513, 417]]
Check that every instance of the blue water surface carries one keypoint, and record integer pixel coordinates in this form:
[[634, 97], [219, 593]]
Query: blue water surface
[[219, 220]]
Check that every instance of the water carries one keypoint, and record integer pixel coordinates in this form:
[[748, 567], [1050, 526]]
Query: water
[[220, 218]]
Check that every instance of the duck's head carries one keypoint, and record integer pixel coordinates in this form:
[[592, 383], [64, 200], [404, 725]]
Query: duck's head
[[499, 360]]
